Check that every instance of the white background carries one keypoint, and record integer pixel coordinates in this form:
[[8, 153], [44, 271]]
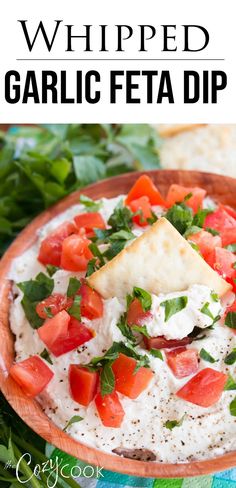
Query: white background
[[216, 16]]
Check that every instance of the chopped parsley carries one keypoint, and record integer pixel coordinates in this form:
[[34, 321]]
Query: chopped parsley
[[73, 287], [156, 353], [230, 384], [51, 270], [90, 204], [45, 355], [171, 424], [206, 311], [73, 420], [231, 247], [34, 292], [206, 356], [173, 306], [144, 297], [230, 320], [180, 216], [121, 218], [232, 407], [142, 329], [74, 310], [231, 357]]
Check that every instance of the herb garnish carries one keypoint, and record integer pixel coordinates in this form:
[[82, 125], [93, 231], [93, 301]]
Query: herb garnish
[[232, 407], [174, 305], [90, 204], [34, 292], [230, 320], [199, 217], [45, 355], [51, 270], [180, 216], [207, 356], [142, 329], [101, 363], [92, 267], [170, 424], [206, 311], [144, 297], [121, 218], [74, 310], [231, 247], [125, 329], [156, 353], [73, 420], [230, 384], [212, 231], [231, 357], [73, 287]]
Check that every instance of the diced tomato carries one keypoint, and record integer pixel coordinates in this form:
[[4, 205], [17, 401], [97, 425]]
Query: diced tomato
[[109, 409], [182, 361], [91, 302], [205, 241], [224, 223], [205, 388], [144, 186], [128, 382], [90, 221], [54, 304], [83, 384], [143, 205], [32, 375], [222, 260], [136, 314], [177, 193], [162, 343], [75, 253], [230, 210], [63, 333], [51, 246]]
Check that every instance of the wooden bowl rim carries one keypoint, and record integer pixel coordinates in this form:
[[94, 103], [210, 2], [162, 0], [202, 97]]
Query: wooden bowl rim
[[39, 422]]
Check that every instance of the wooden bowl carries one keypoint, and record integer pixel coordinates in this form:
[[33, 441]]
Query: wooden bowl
[[219, 187]]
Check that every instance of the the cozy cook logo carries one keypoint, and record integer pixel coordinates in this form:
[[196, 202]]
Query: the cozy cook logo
[[54, 469], [57, 41]]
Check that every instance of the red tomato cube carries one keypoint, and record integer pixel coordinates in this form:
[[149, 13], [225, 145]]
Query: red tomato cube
[[205, 241], [75, 253], [224, 223], [63, 333], [83, 384], [144, 186], [136, 314], [90, 221], [177, 193], [222, 260], [205, 388], [182, 361], [110, 409], [32, 375], [142, 205], [91, 302], [55, 304], [51, 247], [128, 382], [231, 211]]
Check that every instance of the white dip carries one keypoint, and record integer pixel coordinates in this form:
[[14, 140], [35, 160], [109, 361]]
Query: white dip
[[205, 432]]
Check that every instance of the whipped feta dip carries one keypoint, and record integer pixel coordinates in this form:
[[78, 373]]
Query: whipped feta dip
[[204, 433], [182, 323]]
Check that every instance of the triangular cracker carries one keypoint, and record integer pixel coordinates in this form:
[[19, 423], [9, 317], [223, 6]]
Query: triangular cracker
[[159, 261]]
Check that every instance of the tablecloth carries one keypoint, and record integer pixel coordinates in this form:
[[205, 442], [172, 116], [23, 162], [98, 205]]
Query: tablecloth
[[226, 479]]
